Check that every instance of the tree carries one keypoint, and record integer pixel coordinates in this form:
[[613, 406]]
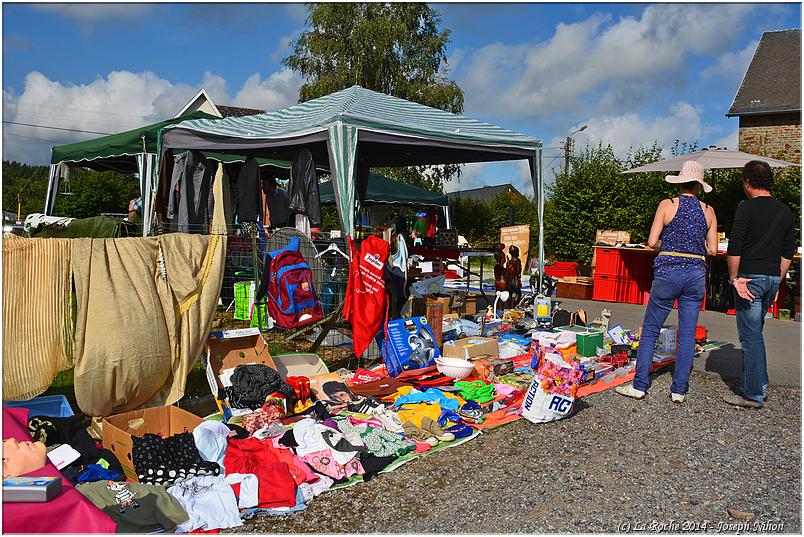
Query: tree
[[394, 48], [597, 195], [92, 192]]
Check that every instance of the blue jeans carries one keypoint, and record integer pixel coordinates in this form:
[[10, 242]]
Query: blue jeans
[[750, 323], [689, 288]]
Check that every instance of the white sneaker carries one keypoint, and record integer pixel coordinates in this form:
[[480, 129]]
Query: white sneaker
[[628, 390], [677, 398]]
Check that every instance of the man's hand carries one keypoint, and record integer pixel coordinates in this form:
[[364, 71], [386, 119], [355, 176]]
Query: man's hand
[[741, 286]]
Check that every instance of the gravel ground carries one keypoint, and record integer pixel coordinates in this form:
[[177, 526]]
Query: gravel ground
[[617, 465]]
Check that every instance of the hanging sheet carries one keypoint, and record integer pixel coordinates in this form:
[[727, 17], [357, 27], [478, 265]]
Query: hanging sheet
[[144, 309], [37, 335]]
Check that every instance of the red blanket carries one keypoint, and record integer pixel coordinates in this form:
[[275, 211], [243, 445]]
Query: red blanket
[[69, 512]]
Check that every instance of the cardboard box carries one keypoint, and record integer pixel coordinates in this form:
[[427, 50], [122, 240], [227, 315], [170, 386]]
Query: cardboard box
[[492, 368], [435, 317], [409, 344], [228, 349], [470, 347], [163, 420]]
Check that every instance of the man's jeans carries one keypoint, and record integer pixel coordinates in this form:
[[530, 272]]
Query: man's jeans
[[689, 288], [750, 323]]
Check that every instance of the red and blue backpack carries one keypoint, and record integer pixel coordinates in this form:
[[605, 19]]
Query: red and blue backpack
[[291, 299]]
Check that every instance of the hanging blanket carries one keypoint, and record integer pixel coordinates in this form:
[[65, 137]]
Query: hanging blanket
[[144, 309], [36, 309]]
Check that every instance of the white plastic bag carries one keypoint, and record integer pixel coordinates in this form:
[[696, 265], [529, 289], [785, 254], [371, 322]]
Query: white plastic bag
[[542, 407]]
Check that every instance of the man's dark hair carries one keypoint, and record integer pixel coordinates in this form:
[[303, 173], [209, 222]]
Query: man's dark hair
[[332, 387], [270, 179], [758, 174]]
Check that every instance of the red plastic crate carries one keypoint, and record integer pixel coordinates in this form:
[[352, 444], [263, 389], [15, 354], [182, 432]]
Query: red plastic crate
[[616, 289], [560, 269], [608, 261]]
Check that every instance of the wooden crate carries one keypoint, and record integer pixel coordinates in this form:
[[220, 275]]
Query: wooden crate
[[579, 290]]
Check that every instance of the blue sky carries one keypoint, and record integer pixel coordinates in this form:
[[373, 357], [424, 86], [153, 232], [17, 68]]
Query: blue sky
[[634, 73]]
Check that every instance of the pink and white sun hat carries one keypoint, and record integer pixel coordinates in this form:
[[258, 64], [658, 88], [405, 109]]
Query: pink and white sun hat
[[690, 171]]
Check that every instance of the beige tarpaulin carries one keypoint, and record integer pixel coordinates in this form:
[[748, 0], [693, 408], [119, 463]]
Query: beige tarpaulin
[[36, 309], [145, 307]]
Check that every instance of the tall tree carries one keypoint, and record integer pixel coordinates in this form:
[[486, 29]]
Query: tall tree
[[398, 49]]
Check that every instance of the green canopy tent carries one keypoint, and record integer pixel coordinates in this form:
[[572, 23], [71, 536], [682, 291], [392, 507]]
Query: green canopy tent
[[356, 129], [129, 152], [386, 191]]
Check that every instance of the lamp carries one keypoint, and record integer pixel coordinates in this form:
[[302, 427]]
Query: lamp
[[501, 295], [568, 147]]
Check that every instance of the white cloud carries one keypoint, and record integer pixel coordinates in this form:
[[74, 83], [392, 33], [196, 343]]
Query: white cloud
[[471, 177], [277, 91], [121, 101], [87, 15], [629, 130], [730, 141], [621, 60], [731, 66]]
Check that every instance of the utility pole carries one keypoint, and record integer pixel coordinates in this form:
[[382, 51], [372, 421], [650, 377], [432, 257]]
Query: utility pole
[[568, 149]]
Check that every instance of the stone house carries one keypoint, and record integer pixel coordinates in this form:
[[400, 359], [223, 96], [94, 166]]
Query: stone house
[[768, 101]]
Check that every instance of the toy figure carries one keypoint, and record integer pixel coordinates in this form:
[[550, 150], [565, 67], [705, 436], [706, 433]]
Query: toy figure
[[500, 282], [514, 271]]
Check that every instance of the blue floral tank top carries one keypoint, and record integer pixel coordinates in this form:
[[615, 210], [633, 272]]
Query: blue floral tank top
[[686, 233]]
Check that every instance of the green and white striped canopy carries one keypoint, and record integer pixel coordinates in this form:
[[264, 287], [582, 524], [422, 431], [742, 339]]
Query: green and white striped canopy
[[356, 129]]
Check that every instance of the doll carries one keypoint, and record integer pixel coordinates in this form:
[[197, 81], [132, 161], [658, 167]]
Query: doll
[[20, 458], [514, 271]]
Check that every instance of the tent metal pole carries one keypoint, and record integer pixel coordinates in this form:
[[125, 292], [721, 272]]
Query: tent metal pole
[[52, 189], [540, 182], [447, 217]]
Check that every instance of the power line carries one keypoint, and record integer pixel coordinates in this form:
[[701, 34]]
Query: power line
[[36, 139], [54, 128]]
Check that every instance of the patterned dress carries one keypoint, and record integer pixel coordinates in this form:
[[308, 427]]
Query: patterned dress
[[685, 233]]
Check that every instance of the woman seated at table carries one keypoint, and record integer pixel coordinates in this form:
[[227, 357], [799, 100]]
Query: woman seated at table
[[684, 230]]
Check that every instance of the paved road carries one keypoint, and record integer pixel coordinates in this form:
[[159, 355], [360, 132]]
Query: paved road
[[782, 340]]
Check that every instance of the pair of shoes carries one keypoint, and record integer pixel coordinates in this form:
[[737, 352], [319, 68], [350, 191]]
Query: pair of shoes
[[418, 434], [677, 398], [390, 419], [628, 390], [432, 426], [739, 400]]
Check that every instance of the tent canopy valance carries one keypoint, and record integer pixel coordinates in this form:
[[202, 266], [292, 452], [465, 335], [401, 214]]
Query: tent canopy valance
[[131, 152], [117, 152], [356, 129], [383, 190]]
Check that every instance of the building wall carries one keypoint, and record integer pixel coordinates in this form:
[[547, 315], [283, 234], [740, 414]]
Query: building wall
[[772, 135]]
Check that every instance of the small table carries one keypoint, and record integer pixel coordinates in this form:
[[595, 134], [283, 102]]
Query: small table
[[453, 254]]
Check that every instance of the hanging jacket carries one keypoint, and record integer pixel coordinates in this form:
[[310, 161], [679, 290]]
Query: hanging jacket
[[303, 187], [249, 195], [192, 206]]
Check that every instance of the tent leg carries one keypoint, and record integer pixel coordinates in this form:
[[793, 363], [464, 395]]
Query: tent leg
[[52, 189]]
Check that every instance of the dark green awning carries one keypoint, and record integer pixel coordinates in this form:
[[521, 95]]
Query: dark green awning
[[384, 190]]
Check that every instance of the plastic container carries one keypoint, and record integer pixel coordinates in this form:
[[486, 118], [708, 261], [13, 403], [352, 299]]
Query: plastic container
[[456, 368], [560, 269], [541, 308], [55, 406], [244, 299]]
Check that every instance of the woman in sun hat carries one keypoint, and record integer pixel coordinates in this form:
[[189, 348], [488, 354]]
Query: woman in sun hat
[[684, 231]]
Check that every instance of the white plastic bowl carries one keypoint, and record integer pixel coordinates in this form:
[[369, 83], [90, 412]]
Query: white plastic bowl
[[456, 368]]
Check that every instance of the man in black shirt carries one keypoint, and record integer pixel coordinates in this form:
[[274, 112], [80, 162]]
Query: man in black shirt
[[761, 247]]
